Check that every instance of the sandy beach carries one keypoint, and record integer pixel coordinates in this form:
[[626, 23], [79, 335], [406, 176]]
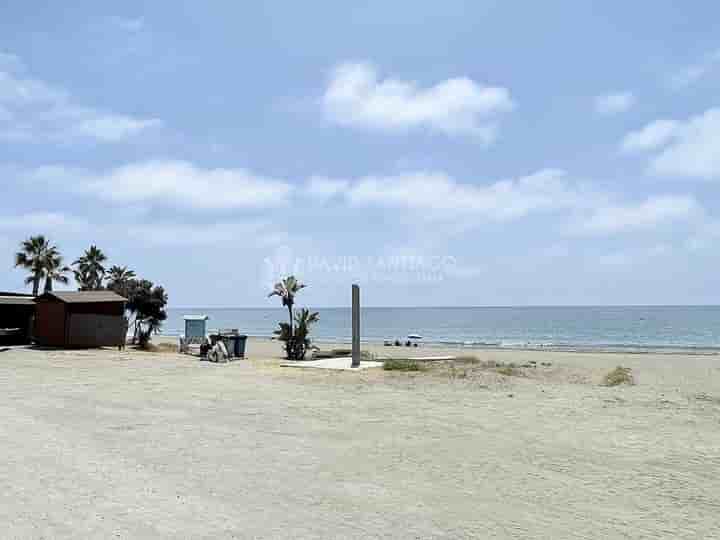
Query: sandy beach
[[108, 444]]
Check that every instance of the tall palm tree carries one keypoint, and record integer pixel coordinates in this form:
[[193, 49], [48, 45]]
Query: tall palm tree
[[286, 289], [89, 271], [32, 257], [117, 279], [55, 270]]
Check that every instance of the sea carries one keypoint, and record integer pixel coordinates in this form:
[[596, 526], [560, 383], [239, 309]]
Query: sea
[[617, 328]]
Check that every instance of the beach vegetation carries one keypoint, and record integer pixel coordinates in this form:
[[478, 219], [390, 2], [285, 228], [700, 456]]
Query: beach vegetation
[[455, 372], [466, 359], [508, 371], [36, 255], [286, 289], [55, 270], [402, 364], [297, 338], [146, 305], [618, 376], [296, 332], [160, 348], [118, 278], [90, 270]]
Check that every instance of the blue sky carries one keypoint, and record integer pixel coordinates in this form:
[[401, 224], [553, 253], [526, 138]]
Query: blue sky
[[444, 153]]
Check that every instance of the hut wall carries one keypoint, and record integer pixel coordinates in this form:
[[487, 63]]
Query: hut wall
[[98, 308], [95, 330], [50, 324]]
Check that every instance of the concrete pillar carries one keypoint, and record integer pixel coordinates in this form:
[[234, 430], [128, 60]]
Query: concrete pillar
[[355, 326]]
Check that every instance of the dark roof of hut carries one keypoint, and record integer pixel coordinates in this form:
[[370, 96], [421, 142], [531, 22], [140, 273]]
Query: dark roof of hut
[[16, 300], [83, 297]]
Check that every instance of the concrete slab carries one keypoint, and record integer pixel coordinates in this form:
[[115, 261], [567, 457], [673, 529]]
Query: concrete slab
[[342, 363]]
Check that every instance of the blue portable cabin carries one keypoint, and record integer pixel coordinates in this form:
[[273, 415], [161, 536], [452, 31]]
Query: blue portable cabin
[[195, 327]]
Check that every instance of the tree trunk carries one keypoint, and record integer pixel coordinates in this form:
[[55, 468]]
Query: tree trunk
[[291, 339], [290, 313], [36, 284], [48, 284]]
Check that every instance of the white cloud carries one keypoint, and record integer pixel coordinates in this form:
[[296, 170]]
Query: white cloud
[[323, 189], [357, 97], [651, 213], [614, 103], [695, 151], [652, 136], [109, 127], [633, 257], [439, 196], [688, 148], [33, 110], [694, 73], [254, 234], [170, 183], [42, 222]]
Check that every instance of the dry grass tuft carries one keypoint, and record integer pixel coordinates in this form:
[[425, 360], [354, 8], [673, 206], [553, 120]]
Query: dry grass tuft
[[166, 348], [402, 364], [467, 359], [457, 373], [619, 375], [509, 371]]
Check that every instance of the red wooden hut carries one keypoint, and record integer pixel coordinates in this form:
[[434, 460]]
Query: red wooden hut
[[80, 319]]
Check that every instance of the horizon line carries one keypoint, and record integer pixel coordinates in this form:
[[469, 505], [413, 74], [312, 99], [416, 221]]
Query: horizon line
[[498, 306]]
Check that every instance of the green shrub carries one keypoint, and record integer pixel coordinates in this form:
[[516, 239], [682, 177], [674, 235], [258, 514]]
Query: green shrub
[[402, 364], [509, 371], [467, 359], [619, 375]]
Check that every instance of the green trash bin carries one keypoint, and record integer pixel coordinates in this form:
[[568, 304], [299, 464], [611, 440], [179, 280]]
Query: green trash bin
[[240, 342], [234, 343]]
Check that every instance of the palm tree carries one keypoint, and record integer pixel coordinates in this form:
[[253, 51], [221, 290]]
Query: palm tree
[[117, 279], [295, 348], [304, 318], [32, 257], [89, 272], [286, 289], [55, 270]]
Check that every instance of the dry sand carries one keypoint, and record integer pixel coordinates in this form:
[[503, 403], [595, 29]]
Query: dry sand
[[103, 444]]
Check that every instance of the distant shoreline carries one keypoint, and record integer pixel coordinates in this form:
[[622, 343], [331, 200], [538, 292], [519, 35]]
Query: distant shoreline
[[632, 330], [487, 347]]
